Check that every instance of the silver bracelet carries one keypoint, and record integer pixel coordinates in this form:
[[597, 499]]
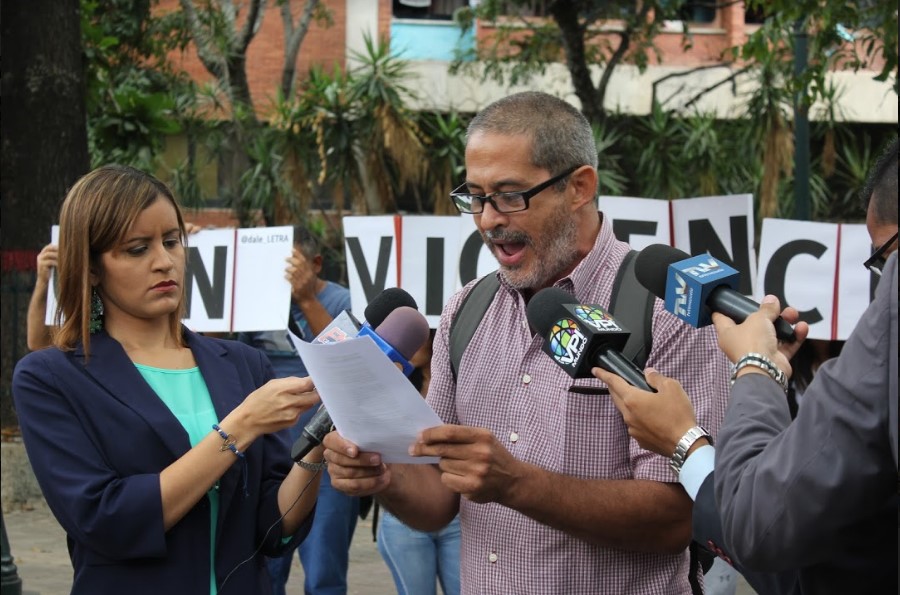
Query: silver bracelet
[[760, 361], [676, 461], [314, 467]]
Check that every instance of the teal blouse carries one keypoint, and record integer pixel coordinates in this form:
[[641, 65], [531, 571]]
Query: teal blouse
[[185, 394]]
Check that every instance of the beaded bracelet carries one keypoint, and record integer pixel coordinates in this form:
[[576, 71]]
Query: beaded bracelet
[[760, 361], [228, 441]]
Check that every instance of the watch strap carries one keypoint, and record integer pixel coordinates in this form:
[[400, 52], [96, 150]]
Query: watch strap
[[685, 444]]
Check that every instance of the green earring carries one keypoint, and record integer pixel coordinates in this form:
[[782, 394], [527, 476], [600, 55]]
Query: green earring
[[96, 322]]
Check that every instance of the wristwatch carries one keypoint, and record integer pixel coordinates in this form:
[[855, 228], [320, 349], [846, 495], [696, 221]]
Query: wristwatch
[[684, 445]]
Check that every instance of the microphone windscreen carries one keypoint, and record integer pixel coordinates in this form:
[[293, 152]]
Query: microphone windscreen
[[404, 329], [386, 302], [544, 308], [652, 264]]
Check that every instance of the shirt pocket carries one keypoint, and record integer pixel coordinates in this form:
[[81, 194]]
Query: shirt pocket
[[595, 437]]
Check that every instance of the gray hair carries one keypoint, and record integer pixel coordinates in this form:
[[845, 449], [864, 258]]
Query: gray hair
[[562, 135], [306, 241], [881, 187]]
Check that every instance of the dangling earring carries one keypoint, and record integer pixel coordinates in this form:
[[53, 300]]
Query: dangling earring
[[96, 322]]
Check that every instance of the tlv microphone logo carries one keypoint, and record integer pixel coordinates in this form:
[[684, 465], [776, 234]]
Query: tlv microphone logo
[[681, 296], [565, 343], [704, 269]]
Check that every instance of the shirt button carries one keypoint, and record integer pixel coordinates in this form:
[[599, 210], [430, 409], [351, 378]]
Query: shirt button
[[492, 558], [525, 323], [526, 379], [513, 437]]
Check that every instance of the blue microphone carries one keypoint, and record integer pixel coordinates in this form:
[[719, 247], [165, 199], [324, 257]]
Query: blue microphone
[[386, 348], [695, 287]]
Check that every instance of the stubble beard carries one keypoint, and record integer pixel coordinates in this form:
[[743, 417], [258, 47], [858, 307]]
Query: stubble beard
[[550, 255]]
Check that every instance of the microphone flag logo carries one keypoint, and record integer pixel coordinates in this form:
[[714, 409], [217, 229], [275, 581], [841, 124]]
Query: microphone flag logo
[[596, 318], [566, 342]]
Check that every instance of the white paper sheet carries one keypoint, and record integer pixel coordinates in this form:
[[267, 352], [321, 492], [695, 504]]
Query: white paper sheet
[[370, 401]]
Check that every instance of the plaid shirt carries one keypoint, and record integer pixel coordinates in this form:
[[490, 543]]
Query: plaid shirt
[[508, 385]]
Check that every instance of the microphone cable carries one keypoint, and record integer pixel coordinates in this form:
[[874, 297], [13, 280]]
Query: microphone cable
[[252, 556]]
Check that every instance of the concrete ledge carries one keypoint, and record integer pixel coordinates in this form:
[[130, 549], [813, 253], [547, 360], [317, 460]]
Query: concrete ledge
[[19, 489]]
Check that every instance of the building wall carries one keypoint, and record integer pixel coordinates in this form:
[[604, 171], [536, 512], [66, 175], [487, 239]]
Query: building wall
[[265, 56], [429, 45]]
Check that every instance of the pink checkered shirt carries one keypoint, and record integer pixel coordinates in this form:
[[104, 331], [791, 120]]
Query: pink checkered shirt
[[508, 385]]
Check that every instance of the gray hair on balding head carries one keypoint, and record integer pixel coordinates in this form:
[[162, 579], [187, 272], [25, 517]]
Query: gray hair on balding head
[[562, 135], [306, 241], [880, 190]]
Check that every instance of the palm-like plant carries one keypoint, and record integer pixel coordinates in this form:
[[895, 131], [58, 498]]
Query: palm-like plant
[[610, 176], [444, 138], [389, 138], [660, 171]]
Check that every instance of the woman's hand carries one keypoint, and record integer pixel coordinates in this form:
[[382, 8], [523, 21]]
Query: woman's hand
[[274, 406]]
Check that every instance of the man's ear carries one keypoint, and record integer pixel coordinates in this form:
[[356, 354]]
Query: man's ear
[[317, 263], [584, 182]]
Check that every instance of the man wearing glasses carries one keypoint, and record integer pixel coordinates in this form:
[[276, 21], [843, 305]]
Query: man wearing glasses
[[553, 496], [808, 506]]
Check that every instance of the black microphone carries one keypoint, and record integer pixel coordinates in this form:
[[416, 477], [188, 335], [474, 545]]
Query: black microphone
[[694, 287], [580, 336], [386, 302], [402, 332]]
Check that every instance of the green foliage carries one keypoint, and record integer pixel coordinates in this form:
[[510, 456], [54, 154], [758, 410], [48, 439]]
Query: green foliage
[[444, 140], [130, 86], [660, 166], [610, 176]]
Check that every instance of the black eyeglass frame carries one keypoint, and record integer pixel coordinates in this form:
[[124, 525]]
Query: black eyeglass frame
[[876, 262], [525, 195]]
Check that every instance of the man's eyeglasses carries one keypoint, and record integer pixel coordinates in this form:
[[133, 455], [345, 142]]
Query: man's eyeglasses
[[503, 202], [876, 262]]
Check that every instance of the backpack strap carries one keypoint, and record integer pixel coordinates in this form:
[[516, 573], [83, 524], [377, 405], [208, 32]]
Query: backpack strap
[[632, 305], [634, 311], [468, 316]]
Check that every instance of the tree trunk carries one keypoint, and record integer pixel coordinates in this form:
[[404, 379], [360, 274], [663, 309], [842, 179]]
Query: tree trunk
[[44, 140], [566, 16]]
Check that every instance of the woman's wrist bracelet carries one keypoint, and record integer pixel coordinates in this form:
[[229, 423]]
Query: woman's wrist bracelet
[[228, 441], [314, 467], [760, 361]]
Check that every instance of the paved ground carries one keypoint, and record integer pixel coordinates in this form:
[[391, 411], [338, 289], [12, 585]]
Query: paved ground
[[38, 547]]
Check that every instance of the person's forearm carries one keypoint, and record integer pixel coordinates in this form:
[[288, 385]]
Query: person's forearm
[[638, 515], [315, 313], [418, 498], [37, 331], [303, 484], [185, 481]]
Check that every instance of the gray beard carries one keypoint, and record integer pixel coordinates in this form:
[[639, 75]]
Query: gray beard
[[553, 254]]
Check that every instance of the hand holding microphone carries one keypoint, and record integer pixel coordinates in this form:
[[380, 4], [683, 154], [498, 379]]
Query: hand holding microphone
[[579, 337], [756, 334]]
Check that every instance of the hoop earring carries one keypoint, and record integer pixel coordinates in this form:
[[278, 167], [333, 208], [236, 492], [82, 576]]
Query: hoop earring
[[96, 322]]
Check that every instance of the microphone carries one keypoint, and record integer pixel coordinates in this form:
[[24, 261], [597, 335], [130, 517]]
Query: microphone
[[579, 336], [402, 332], [386, 302], [695, 287]]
